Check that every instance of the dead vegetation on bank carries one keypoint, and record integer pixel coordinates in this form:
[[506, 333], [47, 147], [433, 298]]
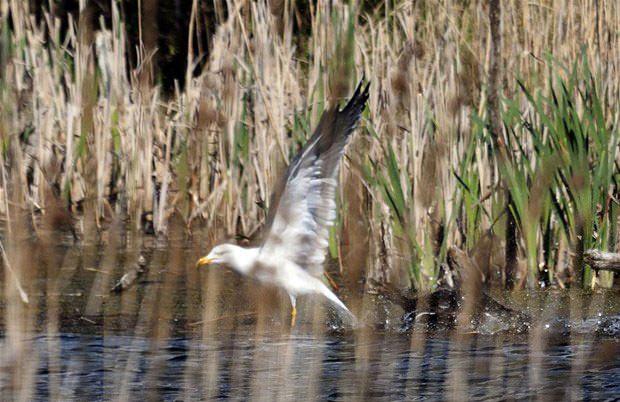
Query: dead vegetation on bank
[[494, 128]]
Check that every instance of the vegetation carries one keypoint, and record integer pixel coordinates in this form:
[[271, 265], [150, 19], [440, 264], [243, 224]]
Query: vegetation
[[83, 126], [136, 134]]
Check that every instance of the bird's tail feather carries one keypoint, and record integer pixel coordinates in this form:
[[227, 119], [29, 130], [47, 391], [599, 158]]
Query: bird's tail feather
[[335, 300]]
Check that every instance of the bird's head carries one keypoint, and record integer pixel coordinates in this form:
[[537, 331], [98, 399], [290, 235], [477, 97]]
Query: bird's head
[[238, 258], [222, 254]]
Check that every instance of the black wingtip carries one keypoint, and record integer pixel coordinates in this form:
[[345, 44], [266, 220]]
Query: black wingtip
[[360, 97]]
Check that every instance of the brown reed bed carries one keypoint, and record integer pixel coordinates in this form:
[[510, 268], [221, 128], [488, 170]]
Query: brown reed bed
[[96, 130]]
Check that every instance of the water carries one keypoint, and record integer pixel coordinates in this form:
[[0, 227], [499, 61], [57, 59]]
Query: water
[[389, 367], [178, 333]]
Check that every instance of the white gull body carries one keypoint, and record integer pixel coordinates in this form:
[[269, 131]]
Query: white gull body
[[303, 208]]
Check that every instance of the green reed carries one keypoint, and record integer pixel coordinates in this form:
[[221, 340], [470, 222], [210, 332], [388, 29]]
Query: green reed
[[561, 171]]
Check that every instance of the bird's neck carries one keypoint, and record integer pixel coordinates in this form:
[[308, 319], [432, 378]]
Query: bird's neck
[[243, 259]]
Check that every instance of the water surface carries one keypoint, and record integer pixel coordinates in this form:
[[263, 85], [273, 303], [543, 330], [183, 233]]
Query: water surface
[[178, 333]]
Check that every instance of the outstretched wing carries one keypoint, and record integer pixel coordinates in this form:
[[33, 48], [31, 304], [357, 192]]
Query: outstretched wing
[[304, 204]]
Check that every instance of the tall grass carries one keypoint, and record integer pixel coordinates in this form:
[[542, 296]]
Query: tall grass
[[560, 171], [423, 169]]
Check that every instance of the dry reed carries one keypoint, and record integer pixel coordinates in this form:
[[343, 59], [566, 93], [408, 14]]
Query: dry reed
[[213, 150]]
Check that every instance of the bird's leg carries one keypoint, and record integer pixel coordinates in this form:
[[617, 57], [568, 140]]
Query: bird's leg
[[294, 310]]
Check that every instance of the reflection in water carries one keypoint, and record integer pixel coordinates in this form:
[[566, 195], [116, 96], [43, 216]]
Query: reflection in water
[[95, 367]]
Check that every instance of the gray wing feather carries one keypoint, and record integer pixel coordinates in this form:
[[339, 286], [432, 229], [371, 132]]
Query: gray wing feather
[[304, 205]]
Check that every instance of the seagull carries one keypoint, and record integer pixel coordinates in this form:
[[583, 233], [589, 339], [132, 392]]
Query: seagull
[[303, 208]]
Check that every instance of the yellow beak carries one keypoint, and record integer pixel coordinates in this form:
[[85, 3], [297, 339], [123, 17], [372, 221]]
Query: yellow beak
[[204, 261]]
